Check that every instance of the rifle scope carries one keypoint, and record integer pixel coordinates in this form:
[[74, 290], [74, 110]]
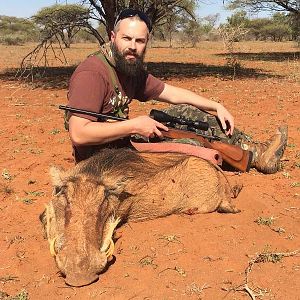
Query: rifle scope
[[163, 117]]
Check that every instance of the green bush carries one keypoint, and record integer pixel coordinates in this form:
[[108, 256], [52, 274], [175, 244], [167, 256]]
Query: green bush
[[13, 39], [17, 31]]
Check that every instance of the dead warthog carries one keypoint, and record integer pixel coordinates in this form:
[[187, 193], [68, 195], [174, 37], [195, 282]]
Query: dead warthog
[[118, 186]]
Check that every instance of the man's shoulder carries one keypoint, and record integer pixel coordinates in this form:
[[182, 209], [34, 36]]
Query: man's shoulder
[[92, 64]]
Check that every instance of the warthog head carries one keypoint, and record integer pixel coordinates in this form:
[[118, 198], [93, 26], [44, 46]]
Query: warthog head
[[79, 222]]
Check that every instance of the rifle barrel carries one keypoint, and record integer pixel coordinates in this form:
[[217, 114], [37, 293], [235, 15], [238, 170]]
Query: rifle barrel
[[90, 113]]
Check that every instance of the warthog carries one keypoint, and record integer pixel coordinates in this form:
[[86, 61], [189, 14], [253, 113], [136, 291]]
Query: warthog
[[117, 186]]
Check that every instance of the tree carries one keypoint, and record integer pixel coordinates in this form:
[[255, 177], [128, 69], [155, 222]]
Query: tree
[[62, 21], [239, 18], [192, 32], [175, 21], [168, 29], [281, 27], [295, 27], [256, 28], [291, 6], [106, 11], [231, 34], [276, 32]]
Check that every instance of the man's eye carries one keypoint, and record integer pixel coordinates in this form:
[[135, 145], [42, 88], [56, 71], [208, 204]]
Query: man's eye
[[126, 38]]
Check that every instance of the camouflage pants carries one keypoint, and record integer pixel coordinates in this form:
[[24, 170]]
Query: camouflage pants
[[215, 128]]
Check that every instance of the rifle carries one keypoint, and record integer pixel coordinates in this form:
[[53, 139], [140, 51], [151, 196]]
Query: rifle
[[231, 154]]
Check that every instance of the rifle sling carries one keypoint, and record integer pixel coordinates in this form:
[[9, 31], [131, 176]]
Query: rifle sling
[[211, 155], [232, 151]]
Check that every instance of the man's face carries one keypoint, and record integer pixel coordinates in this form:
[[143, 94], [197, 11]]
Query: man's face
[[129, 45]]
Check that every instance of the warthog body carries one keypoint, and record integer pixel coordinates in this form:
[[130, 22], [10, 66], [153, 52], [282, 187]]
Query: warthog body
[[118, 186]]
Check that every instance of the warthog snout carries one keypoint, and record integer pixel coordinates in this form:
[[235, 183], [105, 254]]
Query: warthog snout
[[79, 280], [81, 269]]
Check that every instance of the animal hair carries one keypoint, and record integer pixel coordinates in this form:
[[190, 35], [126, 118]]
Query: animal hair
[[125, 164]]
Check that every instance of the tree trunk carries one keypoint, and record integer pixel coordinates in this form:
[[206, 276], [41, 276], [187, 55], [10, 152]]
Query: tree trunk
[[109, 8]]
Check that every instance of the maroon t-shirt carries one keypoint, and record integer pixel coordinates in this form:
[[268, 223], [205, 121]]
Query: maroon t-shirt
[[91, 88]]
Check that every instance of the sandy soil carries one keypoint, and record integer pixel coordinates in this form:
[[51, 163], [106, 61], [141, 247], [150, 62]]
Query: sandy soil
[[178, 257]]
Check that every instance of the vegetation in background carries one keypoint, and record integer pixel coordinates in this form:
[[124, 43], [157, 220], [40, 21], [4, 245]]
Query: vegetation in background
[[279, 27], [290, 6], [231, 34], [63, 22], [60, 23], [17, 31], [173, 21], [289, 9]]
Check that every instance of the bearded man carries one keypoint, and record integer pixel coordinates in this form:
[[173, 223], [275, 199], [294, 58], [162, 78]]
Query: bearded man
[[107, 81]]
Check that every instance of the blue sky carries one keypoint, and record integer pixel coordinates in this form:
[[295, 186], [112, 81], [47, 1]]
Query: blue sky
[[212, 7], [27, 8]]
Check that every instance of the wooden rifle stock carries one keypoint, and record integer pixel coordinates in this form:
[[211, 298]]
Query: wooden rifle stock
[[231, 154]]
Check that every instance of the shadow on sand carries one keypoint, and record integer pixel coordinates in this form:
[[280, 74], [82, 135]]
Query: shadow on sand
[[267, 56], [58, 77]]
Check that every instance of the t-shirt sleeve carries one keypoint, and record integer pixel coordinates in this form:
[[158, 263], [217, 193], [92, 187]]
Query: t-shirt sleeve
[[152, 89], [87, 92]]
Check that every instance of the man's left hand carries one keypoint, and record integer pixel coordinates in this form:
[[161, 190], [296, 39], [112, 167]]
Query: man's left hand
[[226, 119]]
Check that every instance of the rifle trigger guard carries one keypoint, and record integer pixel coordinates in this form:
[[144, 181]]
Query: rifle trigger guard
[[213, 131]]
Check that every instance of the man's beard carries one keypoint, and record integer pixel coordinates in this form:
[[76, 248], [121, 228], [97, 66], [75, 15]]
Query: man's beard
[[132, 68]]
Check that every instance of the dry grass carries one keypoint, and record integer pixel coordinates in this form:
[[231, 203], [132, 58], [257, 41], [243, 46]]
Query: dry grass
[[205, 52]]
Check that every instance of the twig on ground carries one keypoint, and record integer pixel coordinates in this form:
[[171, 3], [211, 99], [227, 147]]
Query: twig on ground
[[263, 257]]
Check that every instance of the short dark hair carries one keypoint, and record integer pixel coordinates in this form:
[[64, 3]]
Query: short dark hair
[[130, 12]]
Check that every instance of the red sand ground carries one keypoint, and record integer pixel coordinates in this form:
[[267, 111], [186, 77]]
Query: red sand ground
[[178, 257]]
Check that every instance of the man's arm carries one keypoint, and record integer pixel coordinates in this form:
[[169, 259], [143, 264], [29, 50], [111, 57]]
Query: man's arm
[[88, 88], [176, 95], [86, 132]]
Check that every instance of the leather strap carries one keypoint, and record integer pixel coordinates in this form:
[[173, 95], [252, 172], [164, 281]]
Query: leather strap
[[211, 155]]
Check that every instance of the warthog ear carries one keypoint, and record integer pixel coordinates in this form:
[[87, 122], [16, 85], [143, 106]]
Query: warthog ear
[[57, 176], [43, 219]]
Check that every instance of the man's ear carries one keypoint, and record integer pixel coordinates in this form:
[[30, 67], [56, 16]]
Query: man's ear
[[112, 36]]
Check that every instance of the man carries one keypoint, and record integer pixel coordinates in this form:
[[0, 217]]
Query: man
[[108, 81]]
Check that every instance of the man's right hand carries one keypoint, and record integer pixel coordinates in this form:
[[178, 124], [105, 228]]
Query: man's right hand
[[147, 127]]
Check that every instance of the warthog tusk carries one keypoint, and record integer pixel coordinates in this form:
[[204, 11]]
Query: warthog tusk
[[109, 249], [52, 246]]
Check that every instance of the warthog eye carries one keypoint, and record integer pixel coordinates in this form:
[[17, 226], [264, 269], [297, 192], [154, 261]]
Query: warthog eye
[[58, 190], [120, 195], [106, 193]]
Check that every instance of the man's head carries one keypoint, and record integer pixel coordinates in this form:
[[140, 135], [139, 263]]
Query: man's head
[[129, 40]]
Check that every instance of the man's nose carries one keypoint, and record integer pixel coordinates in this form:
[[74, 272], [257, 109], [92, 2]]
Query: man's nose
[[133, 45]]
